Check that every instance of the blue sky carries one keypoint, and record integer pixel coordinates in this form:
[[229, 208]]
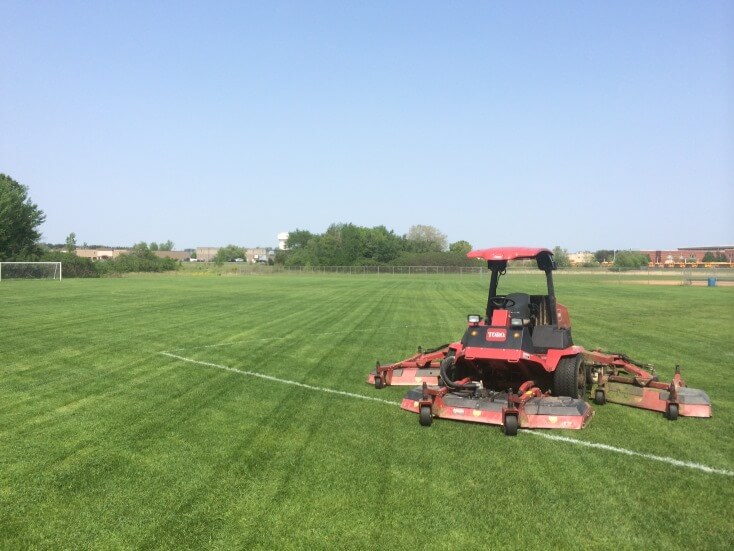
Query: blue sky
[[582, 124]]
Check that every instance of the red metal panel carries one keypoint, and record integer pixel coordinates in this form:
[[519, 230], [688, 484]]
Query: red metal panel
[[564, 320], [507, 253], [500, 318], [554, 356]]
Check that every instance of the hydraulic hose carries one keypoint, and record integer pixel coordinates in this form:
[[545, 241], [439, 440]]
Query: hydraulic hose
[[445, 364]]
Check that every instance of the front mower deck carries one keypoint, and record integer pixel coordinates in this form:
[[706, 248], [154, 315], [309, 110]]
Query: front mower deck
[[544, 412]]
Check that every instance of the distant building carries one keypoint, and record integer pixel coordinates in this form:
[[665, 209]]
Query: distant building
[[100, 254], [206, 254], [579, 259], [688, 254], [283, 241], [257, 254]]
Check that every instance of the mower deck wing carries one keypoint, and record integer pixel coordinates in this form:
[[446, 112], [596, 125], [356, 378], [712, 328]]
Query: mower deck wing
[[621, 380], [419, 368]]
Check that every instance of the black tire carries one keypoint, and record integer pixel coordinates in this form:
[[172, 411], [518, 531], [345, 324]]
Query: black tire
[[600, 398], [510, 426], [672, 412], [569, 378], [426, 417], [379, 383]]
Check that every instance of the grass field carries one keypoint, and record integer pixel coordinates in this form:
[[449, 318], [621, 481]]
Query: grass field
[[107, 443]]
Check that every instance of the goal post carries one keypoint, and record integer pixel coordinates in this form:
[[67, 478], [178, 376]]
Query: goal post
[[30, 270]]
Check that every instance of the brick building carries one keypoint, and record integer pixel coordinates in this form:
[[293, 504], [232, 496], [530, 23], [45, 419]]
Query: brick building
[[689, 254], [206, 254]]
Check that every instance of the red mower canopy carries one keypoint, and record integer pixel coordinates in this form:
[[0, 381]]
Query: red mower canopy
[[508, 253]]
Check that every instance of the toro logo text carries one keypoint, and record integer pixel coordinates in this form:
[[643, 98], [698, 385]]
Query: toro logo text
[[496, 335]]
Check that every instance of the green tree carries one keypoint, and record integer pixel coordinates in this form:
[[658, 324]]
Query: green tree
[[426, 239], [71, 243], [141, 250], [229, 254], [460, 247], [382, 245], [721, 257], [19, 221], [74, 266], [631, 259], [298, 239], [166, 246], [139, 259], [604, 255], [561, 257], [153, 246], [709, 257], [345, 244]]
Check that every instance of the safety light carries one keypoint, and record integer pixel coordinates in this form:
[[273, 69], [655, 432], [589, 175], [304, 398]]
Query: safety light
[[519, 322], [473, 319]]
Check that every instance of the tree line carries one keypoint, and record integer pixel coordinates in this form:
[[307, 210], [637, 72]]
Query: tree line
[[345, 244]]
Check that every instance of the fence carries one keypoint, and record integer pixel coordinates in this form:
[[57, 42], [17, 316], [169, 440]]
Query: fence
[[386, 270], [651, 273]]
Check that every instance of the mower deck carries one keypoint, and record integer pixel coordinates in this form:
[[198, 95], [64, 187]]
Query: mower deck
[[546, 412], [423, 367], [407, 376], [621, 380], [692, 402]]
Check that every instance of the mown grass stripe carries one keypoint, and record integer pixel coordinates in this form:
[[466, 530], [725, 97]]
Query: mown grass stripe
[[265, 339], [279, 380], [554, 437]]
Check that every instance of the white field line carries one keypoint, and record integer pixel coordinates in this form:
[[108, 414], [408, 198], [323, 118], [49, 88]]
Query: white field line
[[264, 339], [283, 381], [606, 447], [557, 438]]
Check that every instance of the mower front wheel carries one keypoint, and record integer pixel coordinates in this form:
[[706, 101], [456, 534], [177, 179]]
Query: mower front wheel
[[569, 378], [600, 398], [426, 417], [672, 413], [510, 426], [379, 383]]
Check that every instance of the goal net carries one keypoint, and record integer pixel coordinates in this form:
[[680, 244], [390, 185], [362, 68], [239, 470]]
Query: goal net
[[30, 270]]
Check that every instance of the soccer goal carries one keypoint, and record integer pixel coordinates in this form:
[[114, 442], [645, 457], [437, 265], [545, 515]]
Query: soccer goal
[[30, 270]]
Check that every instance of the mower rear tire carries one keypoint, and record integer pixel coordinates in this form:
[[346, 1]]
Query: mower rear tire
[[510, 426], [672, 413], [379, 382], [426, 417], [569, 378], [600, 398]]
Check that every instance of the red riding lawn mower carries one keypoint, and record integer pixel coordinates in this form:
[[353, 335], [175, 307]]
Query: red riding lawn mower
[[523, 342]]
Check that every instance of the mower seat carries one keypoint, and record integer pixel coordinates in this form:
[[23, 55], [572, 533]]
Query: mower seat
[[521, 308]]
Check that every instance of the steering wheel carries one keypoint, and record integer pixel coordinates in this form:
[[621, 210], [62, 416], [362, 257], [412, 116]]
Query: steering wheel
[[502, 302]]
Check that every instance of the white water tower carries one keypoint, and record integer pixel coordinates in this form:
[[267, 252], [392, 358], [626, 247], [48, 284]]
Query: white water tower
[[282, 241]]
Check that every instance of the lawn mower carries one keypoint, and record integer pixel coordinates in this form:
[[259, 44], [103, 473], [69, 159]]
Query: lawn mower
[[516, 366]]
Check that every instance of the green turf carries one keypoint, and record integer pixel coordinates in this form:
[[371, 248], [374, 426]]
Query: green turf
[[105, 443]]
